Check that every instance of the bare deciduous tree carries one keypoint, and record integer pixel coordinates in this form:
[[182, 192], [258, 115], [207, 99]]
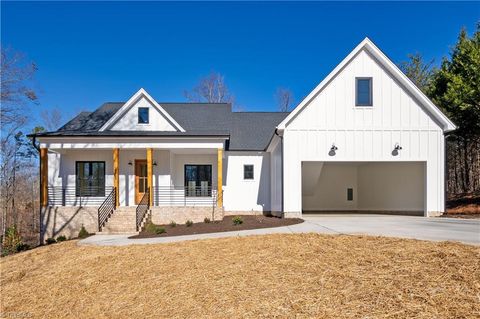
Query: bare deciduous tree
[[210, 89], [16, 152], [284, 99], [52, 119]]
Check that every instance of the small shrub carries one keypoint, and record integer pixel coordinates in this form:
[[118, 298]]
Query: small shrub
[[12, 242], [150, 227], [154, 229], [188, 223], [237, 220], [50, 241], [23, 247], [173, 223], [83, 233], [206, 220], [61, 238], [159, 230]]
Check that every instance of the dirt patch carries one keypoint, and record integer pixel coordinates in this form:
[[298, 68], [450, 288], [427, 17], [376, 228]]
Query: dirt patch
[[273, 276], [249, 222]]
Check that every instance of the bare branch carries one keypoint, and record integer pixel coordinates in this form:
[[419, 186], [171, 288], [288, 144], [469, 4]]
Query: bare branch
[[210, 89], [284, 99]]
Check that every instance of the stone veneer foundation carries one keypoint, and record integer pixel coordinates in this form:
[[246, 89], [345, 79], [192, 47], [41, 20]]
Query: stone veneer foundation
[[67, 221]]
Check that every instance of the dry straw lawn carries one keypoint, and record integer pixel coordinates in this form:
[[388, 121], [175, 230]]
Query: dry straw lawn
[[253, 277]]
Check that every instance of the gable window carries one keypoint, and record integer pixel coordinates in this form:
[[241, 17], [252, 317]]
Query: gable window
[[90, 179], [248, 172], [198, 180], [143, 115], [363, 92]]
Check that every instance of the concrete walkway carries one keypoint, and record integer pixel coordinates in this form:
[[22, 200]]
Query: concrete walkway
[[435, 229]]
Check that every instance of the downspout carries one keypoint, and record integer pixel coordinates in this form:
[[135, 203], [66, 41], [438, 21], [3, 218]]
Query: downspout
[[282, 168], [445, 171]]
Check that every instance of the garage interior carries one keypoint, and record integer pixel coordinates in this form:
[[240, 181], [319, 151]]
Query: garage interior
[[364, 187]]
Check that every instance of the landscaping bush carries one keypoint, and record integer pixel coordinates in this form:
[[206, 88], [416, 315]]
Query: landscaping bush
[[237, 220], [206, 220], [83, 233], [154, 229], [173, 224], [188, 223], [50, 241], [159, 230], [12, 243], [61, 238]]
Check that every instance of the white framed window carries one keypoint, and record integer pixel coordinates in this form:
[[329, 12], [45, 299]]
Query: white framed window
[[248, 172], [363, 91]]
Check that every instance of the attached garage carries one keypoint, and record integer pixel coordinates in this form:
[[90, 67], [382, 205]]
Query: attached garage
[[365, 139], [373, 187]]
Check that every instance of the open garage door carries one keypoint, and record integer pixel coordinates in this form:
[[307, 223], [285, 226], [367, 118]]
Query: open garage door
[[364, 187]]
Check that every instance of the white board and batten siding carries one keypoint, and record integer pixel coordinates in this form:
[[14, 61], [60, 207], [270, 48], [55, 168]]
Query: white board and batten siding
[[366, 134]]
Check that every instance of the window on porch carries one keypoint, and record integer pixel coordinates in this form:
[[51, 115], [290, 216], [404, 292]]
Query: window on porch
[[90, 179], [198, 180]]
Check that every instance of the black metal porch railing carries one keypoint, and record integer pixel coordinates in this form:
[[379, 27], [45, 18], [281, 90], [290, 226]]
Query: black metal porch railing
[[77, 196], [106, 209], [142, 208], [184, 196]]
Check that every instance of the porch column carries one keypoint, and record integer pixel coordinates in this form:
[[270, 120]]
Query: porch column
[[219, 177], [43, 177], [116, 177], [150, 173]]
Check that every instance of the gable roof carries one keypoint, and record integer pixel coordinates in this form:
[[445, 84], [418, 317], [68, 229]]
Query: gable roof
[[368, 45], [125, 107], [246, 131]]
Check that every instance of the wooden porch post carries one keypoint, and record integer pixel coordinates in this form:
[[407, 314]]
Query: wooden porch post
[[43, 177], [219, 177], [116, 177], [150, 173]]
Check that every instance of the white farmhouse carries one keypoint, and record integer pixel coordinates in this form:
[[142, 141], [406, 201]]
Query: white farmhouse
[[366, 139]]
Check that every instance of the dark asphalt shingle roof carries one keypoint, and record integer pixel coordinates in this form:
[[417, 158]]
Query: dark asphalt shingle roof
[[246, 130]]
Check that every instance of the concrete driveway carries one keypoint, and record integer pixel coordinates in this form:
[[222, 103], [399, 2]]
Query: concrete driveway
[[432, 228], [437, 229]]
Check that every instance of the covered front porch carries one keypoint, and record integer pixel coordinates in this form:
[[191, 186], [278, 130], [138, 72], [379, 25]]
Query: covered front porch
[[161, 177]]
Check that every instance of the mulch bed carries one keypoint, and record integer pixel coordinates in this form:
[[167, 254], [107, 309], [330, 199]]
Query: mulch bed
[[249, 222]]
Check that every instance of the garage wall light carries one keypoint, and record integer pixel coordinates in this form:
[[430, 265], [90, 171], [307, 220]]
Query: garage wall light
[[333, 150], [396, 148]]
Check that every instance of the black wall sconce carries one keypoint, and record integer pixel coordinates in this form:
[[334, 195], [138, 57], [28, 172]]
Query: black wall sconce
[[333, 150], [154, 163], [396, 148], [130, 163]]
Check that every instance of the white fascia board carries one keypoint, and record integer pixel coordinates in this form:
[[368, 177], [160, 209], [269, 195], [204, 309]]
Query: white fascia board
[[390, 66], [134, 99], [131, 143]]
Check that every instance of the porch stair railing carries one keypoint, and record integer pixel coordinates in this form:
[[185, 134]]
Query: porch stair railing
[[106, 209], [142, 209]]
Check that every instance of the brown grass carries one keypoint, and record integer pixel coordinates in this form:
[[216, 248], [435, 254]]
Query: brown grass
[[252, 277]]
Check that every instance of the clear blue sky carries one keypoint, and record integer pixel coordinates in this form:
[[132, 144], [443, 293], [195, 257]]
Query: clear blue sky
[[89, 53]]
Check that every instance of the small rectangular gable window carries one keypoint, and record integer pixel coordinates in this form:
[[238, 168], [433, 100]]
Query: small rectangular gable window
[[143, 115], [247, 171], [363, 92], [349, 194]]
